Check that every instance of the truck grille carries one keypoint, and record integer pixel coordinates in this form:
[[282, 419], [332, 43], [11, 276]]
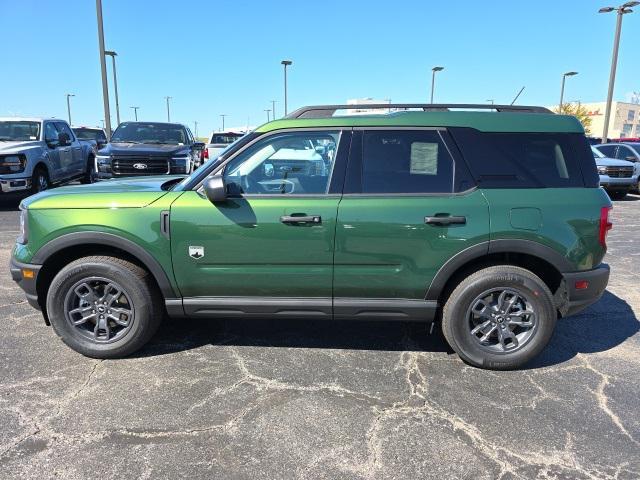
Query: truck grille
[[620, 172], [140, 165]]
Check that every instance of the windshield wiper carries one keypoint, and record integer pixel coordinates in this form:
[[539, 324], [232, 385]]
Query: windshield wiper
[[158, 142], [6, 139]]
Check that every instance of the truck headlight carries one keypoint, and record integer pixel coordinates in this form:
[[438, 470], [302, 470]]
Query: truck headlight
[[24, 226], [12, 164], [103, 163], [180, 163], [602, 170]]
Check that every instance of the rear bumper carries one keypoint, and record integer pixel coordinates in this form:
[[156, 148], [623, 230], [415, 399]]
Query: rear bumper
[[18, 270], [579, 299]]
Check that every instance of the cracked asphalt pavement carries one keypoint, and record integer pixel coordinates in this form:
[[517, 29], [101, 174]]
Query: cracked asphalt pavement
[[287, 399]]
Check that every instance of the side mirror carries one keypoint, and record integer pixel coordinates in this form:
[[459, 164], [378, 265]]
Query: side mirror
[[197, 145], [215, 189], [64, 139], [631, 159]]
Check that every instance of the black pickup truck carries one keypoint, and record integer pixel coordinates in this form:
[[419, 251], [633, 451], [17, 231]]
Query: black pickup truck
[[149, 148]]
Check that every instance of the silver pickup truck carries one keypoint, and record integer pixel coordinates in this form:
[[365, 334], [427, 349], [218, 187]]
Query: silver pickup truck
[[37, 153]]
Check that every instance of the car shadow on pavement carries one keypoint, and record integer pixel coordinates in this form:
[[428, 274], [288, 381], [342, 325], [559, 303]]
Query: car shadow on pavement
[[601, 327], [10, 201], [177, 335]]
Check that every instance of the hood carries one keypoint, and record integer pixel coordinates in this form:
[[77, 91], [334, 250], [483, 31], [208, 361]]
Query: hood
[[141, 148], [612, 162], [121, 193], [16, 147]]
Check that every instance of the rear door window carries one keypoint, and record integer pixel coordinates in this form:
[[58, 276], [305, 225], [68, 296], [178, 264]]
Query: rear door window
[[405, 161]]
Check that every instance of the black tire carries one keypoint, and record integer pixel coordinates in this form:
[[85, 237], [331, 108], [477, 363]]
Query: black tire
[[458, 318], [617, 194], [90, 172], [40, 180], [138, 293]]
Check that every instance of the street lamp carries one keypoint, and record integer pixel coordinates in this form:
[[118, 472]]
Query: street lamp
[[273, 108], [195, 124], [267, 110], [113, 56], [622, 9], [69, 106], [490, 100], [168, 111], [223, 115], [433, 79], [285, 63], [103, 69], [135, 111], [564, 77]]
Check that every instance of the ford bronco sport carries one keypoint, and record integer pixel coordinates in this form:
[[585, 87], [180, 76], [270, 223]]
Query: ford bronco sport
[[489, 222]]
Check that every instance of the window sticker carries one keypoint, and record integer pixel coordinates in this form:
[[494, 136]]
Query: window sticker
[[424, 158]]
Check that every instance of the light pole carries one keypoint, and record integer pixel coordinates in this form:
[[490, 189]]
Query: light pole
[[135, 112], [433, 79], [103, 70], [113, 56], [168, 111], [195, 124], [285, 63], [222, 116], [490, 100], [69, 106], [564, 77], [267, 110], [622, 9], [273, 109]]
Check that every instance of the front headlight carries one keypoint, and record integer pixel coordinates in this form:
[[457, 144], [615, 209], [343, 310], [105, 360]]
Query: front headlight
[[12, 164], [24, 226], [602, 170], [103, 163]]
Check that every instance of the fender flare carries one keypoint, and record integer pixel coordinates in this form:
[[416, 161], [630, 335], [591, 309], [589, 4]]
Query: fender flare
[[110, 240], [529, 247]]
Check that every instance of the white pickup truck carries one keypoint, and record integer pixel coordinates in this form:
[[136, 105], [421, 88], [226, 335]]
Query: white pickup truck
[[37, 153]]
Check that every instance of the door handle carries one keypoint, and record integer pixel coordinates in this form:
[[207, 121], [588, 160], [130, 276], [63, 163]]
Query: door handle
[[449, 220], [301, 219]]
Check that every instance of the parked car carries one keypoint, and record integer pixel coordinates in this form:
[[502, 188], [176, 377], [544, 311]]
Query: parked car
[[218, 141], [624, 151], [617, 177], [406, 220], [37, 153], [97, 135], [149, 148]]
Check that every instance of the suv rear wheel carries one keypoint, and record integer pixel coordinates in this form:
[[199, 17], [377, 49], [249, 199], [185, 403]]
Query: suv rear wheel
[[104, 307], [499, 317]]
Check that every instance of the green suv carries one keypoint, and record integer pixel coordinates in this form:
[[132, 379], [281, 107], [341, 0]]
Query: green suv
[[490, 222]]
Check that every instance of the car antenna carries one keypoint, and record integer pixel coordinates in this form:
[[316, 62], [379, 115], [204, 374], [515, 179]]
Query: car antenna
[[514, 100]]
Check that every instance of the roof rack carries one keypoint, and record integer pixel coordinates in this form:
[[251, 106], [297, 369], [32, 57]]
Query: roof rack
[[325, 111]]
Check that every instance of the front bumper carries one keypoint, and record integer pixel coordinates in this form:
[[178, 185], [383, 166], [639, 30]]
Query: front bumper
[[9, 185], [616, 183], [19, 274], [580, 298]]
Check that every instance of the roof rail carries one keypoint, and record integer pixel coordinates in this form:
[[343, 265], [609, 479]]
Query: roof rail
[[325, 111]]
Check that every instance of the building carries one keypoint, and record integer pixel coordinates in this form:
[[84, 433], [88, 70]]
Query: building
[[624, 121]]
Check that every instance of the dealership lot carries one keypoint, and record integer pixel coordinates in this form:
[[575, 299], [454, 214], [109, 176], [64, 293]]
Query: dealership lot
[[267, 399]]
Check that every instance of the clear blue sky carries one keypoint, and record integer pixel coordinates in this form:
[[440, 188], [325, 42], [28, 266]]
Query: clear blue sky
[[218, 57]]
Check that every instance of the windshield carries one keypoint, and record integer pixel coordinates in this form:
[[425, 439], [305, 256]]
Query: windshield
[[18, 130], [161, 133], [89, 134], [225, 138]]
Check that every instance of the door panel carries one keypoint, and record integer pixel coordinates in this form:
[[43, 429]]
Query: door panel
[[248, 251], [384, 248], [53, 152]]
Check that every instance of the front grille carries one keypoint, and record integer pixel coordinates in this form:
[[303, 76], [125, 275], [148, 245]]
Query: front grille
[[620, 172], [154, 165]]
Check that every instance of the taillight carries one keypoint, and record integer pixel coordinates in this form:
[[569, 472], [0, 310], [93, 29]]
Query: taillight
[[605, 225], [205, 154]]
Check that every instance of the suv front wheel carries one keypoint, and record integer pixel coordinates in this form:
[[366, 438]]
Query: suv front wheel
[[104, 307], [499, 317]]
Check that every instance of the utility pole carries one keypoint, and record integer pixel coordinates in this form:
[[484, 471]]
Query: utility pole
[[195, 124], [622, 9], [168, 111], [223, 115], [285, 63], [135, 111], [267, 110], [433, 79], [113, 56], [103, 70], [69, 106], [273, 109]]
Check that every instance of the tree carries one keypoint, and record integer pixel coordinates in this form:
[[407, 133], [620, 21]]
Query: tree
[[578, 111]]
